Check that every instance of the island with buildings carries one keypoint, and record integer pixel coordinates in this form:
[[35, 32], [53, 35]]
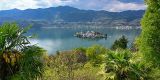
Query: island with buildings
[[90, 35]]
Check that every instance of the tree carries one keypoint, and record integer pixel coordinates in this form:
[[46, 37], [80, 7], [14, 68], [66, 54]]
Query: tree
[[14, 51], [12, 40], [120, 43], [149, 40]]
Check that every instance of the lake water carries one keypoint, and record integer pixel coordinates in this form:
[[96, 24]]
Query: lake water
[[60, 39]]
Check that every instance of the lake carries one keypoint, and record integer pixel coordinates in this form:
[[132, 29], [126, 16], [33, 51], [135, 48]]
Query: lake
[[60, 39]]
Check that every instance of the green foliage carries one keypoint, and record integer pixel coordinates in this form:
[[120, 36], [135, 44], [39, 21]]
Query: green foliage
[[31, 64], [63, 65], [12, 37], [134, 47], [64, 72], [120, 43], [12, 40], [82, 49], [96, 54], [81, 54], [18, 61], [154, 74], [149, 40], [89, 72], [67, 66], [103, 64], [119, 66]]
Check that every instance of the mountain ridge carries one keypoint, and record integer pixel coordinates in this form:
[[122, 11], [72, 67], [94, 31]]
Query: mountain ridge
[[67, 14]]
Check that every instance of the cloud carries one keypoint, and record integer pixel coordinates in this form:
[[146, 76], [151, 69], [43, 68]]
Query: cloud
[[109, 5], [133, 1], [116, 5], [53, 3], [33, 4], [23, 4]]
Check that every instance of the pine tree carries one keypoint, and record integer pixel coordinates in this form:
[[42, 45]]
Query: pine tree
[[120, 43]]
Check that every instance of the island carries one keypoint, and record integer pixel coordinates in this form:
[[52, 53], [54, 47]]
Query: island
[[90, 35]]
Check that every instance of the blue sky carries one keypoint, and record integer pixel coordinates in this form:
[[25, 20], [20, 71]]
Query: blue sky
[[108, 5]]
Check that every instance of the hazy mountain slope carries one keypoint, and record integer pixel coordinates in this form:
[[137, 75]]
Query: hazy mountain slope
[[66, 14]]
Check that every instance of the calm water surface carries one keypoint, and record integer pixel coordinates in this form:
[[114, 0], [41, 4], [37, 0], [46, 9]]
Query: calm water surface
[[59, 39]]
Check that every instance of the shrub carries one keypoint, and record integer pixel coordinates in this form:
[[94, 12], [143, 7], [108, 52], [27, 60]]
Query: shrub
[[120, 67], [96, 54], [64, 64], [89, 72]]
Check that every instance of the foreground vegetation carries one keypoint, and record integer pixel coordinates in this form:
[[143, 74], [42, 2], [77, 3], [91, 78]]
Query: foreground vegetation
[[19, 60]]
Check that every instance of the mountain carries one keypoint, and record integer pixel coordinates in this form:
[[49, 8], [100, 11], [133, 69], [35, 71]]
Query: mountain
[[70, 15]]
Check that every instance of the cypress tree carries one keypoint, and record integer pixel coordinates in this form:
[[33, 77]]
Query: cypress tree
[[149, 40]]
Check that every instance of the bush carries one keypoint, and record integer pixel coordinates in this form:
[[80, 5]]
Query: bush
[[64, 64], [89, 72], [96, 54], [119, 66]]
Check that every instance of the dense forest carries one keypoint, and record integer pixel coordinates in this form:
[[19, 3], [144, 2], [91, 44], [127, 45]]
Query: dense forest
[[19, 60]]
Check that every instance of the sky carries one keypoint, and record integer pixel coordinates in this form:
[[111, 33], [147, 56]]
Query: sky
[[108, 5]]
